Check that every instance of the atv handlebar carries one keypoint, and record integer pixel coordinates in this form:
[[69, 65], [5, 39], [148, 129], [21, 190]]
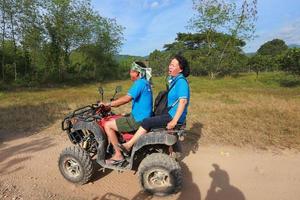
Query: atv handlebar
[[89, 112], [86, 113]]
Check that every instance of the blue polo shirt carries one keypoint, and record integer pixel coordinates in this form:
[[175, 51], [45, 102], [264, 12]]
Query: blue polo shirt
[[141, 94], [180, 90]]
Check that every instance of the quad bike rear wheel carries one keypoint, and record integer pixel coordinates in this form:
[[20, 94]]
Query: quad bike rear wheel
[[75, 165], [160, 174]]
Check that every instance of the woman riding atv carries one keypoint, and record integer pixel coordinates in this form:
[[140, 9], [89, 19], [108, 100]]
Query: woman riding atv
[[178, 101]]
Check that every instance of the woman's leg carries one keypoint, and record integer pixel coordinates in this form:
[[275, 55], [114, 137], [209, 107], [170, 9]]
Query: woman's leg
[[160, 121], [135, 137]]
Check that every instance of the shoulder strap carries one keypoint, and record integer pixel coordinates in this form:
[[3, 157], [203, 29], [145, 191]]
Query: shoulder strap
[[177, 99], [173, 84]]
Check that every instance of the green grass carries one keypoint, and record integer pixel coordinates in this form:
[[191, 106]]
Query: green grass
[[262, 112], [245, 110]]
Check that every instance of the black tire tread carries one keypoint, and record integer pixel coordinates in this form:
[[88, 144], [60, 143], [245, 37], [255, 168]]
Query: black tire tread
[[165, 161], [83, 158]]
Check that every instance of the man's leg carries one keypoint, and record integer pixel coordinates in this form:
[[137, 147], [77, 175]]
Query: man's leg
[[110, 129]]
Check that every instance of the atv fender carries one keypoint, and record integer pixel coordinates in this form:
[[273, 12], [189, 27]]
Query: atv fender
[[99, 134], [92, 127], [154, 138]]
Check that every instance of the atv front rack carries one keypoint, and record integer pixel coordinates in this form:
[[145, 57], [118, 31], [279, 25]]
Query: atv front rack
[[66, 123]]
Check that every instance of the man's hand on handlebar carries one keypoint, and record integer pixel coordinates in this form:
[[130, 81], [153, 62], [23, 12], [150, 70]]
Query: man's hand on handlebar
[[105, 107], [104, 104]]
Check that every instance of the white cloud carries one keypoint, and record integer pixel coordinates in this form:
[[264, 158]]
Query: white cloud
[[162, 29], [154, 4], [149, 24], [152, 23], [150, 4], [291, 33], [128, 13]]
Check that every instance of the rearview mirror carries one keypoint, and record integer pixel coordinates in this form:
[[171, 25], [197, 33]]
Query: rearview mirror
[[118, 89], [101, 91]]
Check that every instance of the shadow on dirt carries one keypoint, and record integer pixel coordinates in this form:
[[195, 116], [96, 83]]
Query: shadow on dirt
[[110, 196], [220, 188], [189, 190], [139, 196], [8, 165], [142, 195], [20, 121], [98, 172], [191, 140]]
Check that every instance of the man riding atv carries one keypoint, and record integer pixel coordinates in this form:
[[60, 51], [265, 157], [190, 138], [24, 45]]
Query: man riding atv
[[140, 94]]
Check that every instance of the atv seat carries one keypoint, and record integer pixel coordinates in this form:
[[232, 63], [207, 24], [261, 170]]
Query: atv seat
[[179, 126], [127, 136]]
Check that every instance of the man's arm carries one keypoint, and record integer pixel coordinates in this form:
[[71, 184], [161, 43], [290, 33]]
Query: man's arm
[[120, 101]]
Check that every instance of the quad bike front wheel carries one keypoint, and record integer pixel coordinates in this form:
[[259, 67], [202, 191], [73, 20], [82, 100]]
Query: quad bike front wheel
[[75, 165], [160, 174]]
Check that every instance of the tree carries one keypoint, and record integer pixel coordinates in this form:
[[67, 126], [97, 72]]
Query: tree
[[62, 22], [3, 27], [213, 16], [13, 21], [10, 28], [13, 11], [291, 61], [38, 38], [187, 41], [31, 38], [272, 48], [272, 51], [158, 61], [194, 47], [260, 63], [72, 24]]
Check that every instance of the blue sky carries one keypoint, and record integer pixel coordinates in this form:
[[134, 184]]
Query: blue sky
[[149, 24]]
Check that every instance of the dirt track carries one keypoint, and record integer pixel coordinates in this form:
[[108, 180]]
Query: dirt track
[[28, 170]]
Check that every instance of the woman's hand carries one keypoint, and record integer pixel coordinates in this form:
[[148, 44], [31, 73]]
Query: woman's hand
[[171, 124], [179, 111]]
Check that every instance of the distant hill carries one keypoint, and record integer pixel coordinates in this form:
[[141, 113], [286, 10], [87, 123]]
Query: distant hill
[[250, 54], [294, 46]]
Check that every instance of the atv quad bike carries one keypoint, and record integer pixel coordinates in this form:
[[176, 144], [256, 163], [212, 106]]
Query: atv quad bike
[[154, 155]]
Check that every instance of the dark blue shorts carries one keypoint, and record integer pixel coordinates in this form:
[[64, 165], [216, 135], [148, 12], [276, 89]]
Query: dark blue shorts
[[159, 121]]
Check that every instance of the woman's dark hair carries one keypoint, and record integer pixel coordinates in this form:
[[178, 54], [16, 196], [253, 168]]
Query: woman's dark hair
[[141, 64], [183, 64]]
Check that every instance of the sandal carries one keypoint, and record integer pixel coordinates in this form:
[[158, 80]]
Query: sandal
[[123, 149], [114, 162]]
